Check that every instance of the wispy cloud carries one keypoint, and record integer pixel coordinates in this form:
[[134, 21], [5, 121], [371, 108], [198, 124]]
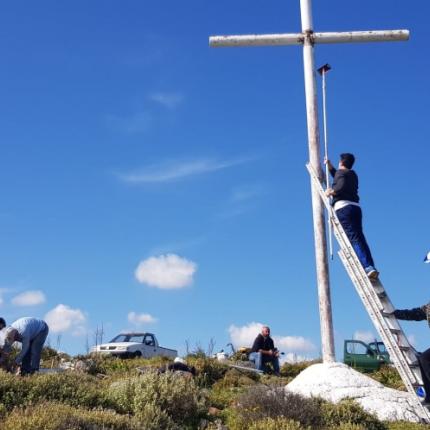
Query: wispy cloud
[[246, 192], [140, 319], [242, 199], [174, 170], [169, 100], [138, 122], [29, 298]]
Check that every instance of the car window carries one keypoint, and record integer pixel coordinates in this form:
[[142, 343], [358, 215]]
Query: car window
[[357, 348], [119, 338], [381, 347], [138, 339], [149, 340]]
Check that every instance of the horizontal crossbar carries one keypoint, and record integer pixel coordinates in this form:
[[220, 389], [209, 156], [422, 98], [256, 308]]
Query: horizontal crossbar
[[299, 38]]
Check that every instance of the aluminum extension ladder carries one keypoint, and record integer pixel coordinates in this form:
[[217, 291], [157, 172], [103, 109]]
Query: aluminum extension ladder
[[378, 306]]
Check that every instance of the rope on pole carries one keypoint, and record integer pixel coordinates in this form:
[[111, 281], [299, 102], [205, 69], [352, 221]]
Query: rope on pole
[[322, 71]]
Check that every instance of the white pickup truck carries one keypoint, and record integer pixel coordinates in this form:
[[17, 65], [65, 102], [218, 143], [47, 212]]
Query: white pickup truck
[[130, 345]]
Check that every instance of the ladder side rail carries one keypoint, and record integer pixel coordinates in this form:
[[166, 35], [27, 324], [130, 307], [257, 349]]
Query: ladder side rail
[[380, 324]]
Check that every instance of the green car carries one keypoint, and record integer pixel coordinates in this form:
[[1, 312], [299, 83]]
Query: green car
[[363, 356]]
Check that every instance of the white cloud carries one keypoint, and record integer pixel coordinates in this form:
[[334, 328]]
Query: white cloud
[[245, 336], [169, 100], [140, 319], [174, 170], [63, 318], [166, 272], [29, 298], [293, 343], [364, 336]]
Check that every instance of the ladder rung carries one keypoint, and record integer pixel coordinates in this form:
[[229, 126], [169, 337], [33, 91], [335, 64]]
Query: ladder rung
[[395, 330], [386, 314], [404, 348], [381, 294]]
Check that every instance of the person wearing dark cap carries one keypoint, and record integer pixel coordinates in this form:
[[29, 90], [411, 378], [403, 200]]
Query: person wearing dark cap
[[344, 192]]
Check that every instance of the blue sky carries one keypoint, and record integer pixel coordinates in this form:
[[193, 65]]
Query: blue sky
[[127, 142]]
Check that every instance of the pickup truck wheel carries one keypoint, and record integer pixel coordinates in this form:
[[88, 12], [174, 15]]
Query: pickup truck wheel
[[137, 354]]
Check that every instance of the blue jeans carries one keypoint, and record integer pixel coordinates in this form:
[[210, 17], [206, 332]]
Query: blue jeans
[[260, 361], [31, 360], [351, 219]]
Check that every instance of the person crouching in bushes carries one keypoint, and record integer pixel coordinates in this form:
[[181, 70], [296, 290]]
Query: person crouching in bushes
[[32, 334]]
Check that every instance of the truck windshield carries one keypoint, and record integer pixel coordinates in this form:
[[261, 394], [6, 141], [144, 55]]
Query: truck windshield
[[128, 338]]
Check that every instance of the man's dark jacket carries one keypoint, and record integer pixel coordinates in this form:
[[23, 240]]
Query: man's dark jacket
[[345, 185], [261, 342]]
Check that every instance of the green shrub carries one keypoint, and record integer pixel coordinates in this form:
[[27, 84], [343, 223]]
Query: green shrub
[[236, 378], [389, 377], [108, 365], [209, 370], [276, 424], [71, 388], [291, 370], [348, 426], [262, 402], [175, 394], [349, 412], [233, 383], [54, 416], [152, 417]]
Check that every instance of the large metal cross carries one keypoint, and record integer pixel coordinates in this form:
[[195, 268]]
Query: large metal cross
[[308, 38]]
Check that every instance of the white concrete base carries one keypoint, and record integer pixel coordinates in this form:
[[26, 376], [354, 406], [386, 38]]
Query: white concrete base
[[337, 381]]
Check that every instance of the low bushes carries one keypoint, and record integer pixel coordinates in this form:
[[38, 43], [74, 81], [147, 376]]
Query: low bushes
[[265, 403], [291, 370], [348, 412], [55, 416], [388, 376], [177, 396], [276, 424], [70, 388], [261, 402], [209, 370]]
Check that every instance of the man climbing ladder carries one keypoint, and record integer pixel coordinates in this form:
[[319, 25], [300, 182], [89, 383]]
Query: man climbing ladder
[[345, 202]]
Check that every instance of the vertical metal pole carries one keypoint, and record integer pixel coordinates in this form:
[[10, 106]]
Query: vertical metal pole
[[327, 177], [326, 321]]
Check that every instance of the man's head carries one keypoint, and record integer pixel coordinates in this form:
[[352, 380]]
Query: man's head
[[2, 323], [346, 160], [265, 331], [8, 337]]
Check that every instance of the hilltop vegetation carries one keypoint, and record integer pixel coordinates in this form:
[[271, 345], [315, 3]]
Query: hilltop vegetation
[[110, 393]]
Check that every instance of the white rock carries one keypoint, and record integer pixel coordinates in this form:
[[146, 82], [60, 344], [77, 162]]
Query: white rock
[[337, 381]]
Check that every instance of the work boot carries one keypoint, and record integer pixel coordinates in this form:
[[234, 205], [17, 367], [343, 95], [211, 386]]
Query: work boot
[[371, 272]]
